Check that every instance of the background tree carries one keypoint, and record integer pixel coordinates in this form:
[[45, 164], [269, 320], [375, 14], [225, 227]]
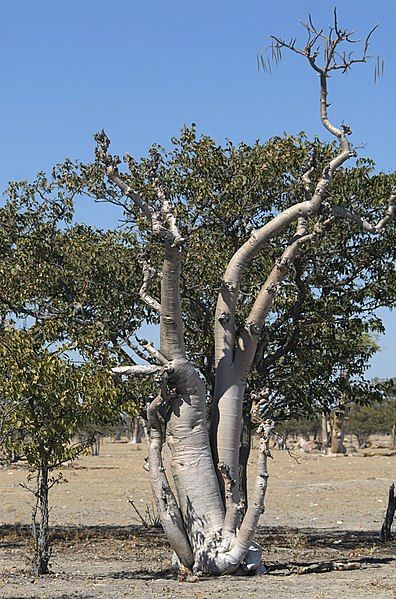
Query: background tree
[[47, 399], [65, 311], [376, 418], [66, 279]]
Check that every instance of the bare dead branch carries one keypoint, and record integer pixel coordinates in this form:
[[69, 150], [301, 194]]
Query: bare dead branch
[[334, 58]]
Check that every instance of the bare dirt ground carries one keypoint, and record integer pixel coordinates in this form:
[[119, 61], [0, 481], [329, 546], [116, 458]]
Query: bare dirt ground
[[323, 513]]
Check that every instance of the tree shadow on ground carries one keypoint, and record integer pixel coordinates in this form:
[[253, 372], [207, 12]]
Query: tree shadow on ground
[[266, 536], [15, 534], [319, 538], [282, 536], [319, 567], [146, 574], [287, 550]]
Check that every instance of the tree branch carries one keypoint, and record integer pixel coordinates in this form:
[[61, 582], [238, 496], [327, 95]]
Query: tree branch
[[390, 215], [167, 212], [138, 370], [228, 296], [148, 274], [135, 349], [164, 225], [111, 164], [248, 340], [165, 501], [155, 353], [242, 544], [226, 305], [256, 506], [172, 344], [233, 509], [166, 229]]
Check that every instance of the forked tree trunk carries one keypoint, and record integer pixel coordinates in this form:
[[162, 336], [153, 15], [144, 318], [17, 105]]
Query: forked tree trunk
[[207, 527], [41, 529], [204, 531]]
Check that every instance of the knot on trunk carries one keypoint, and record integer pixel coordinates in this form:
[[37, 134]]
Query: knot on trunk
[[224, 317]]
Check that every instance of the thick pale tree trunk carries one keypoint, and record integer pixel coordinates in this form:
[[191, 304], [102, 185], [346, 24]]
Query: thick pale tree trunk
[[201, 527], [235, 355], [192, 466], [338, 432], [325, 433], [187, 437]]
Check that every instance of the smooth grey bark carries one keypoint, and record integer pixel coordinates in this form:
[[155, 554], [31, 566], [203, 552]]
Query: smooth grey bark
[[198, 526], [186, 434], [164, 499], [231, 380]]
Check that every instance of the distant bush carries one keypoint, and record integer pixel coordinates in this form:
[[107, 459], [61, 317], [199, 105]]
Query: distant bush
[[378, 418]]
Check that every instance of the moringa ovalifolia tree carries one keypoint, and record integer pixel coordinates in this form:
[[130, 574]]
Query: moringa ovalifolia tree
[[205, 525]]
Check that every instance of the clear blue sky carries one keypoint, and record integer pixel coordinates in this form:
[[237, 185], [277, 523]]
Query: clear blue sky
[[142, 69]]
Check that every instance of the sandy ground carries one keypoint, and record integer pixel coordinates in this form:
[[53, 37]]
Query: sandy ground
[[321, 513]]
